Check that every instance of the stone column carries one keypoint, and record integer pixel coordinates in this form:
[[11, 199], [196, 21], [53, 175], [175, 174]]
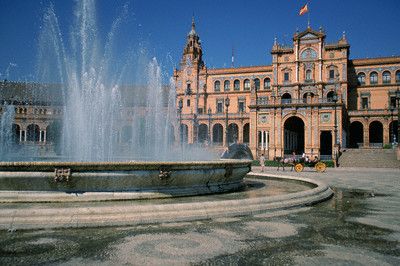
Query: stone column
[[40, 135], [44, 135], [20, 135]]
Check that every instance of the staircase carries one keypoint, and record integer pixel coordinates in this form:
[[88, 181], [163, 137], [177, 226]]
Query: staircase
[[369, 158]]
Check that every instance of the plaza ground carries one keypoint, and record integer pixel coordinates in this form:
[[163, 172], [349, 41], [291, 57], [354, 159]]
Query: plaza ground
[[360, 225]]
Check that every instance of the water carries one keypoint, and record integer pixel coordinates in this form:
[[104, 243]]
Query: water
[[6, 126], [103, 118]]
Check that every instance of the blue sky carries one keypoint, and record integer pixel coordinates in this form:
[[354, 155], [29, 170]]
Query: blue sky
[[372, 28]]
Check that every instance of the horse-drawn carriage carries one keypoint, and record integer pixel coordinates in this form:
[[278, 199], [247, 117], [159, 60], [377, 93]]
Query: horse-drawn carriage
[[316, 163], [299, 164]]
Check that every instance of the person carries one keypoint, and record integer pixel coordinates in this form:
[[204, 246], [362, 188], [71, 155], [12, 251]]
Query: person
[[293, 158], [262, 162]]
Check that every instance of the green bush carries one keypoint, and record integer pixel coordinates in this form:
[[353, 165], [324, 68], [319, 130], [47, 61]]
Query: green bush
[[387, 146]]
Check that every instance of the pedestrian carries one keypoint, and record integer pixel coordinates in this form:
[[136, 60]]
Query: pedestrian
[[262, 162]]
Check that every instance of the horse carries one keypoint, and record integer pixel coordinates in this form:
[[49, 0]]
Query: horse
[[282, 161]]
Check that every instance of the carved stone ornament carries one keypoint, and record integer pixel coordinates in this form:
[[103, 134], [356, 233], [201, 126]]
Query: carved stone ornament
[[62, 175]]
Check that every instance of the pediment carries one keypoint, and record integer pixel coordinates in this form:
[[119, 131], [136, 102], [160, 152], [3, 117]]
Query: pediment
[[309, 36]]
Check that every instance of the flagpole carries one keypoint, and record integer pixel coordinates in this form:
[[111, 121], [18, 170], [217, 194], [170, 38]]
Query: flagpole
[[308, 15]]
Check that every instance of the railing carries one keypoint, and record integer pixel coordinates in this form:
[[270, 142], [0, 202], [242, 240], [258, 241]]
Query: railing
[[376, 145]]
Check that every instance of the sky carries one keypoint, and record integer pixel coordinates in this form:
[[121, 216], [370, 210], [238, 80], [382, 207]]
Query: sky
[[246, 26]]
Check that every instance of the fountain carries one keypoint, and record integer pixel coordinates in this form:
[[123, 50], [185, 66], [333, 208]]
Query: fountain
[[117, 141]]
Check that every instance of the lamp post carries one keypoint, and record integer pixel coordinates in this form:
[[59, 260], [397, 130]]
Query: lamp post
[[209, 125], [335, 131], [227, 102], [391, 109], [180, 106], [398, 120]]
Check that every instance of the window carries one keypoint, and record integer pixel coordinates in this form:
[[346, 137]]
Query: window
[[286, 98], [246, 84], [364, 102], [373, 78], [263, 100], [188, 89], [386, 77], [308, 54], [308, 75], [267, 84], [361, 78], [257, 84], [392, 102], [188, 103], [227, 84], [236, 85], [398, 76], [329, 96], [331, 73], [241, 106], [220, 106], [217, 85], [286, 77]]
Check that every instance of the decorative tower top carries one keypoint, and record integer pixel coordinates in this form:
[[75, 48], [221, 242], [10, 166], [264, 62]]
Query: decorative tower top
[[192, 53]]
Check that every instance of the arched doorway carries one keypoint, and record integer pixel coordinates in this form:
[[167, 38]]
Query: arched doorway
[[375, 134], [393, 131], [203, 133], [33, 133], [325, 141], [294, 135], [184, 132], [356, 134], [233, 133], [217, 134], [246, 133]]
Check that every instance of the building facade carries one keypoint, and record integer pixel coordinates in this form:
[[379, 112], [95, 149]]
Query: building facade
[[313, 98]]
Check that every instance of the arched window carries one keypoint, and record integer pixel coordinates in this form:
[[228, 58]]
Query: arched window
[[286, 98], [236, 85], [257, 84], [361, 78], [217, 85], [308, 75], [246, 84], [386, 77], [398, 76], [329, 96], [227, 84], [373, 78], [309, 54], [267, 84]]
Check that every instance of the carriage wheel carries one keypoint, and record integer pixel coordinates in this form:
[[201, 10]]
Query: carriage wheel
[[320, 167], [298, 167]]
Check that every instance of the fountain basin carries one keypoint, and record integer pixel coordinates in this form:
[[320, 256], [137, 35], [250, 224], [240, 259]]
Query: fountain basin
[[142, 179]]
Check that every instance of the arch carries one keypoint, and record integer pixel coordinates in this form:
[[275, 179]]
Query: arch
[[308, 53], [356, 134], [236, 85], [246, 84], [393, 131], [171, 135], [202, 133], [293, 137], [398, 76], [386, 77], [218, 134], [329, 96], [257, 84], [227, 85], [32, 132], [233, 133], [286, 98], [373, 78], [267, 83], [375, 134], [53, 135], [184, 133], [217, 85], [246, 133], [306, 95]]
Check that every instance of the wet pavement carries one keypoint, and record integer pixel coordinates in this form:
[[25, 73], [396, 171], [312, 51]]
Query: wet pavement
[[360, 225]]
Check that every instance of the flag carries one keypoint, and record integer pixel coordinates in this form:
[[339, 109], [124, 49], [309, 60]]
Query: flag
[[303, 10]]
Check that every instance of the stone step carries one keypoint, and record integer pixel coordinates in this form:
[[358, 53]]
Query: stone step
[[367, 158]]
